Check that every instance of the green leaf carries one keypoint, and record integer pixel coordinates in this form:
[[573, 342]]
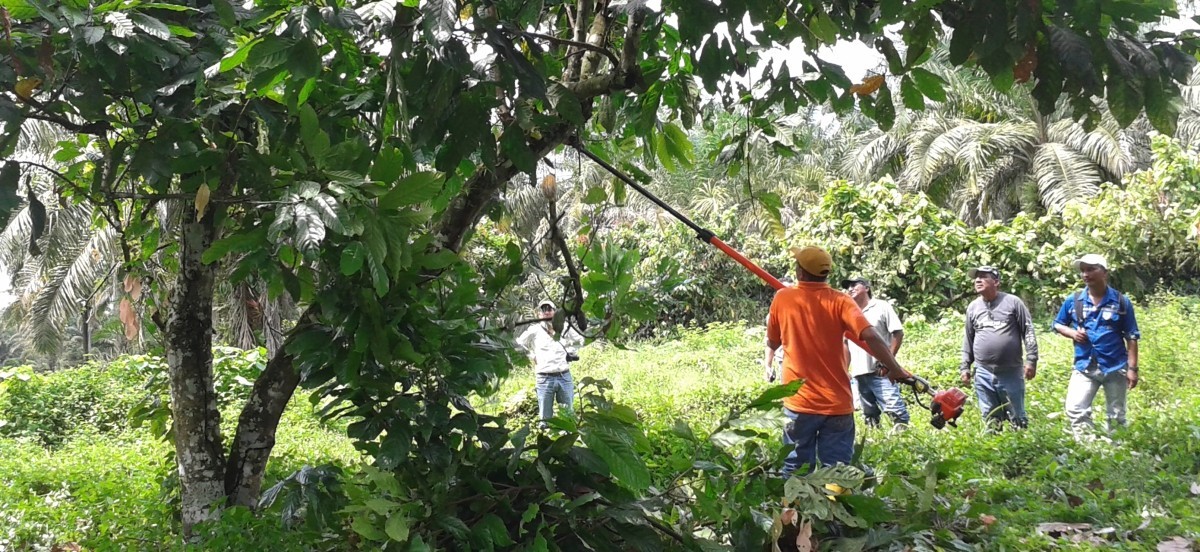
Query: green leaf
[[397, 527], [931, 85], [304, 60], [10, 178], [365, 527], [615, 446], [912, 96], [1162, 109], [238, 56], [869, 508], [678, 144], [619, 192], [246, 241], [824, 28], [412, 189], [151, 26], [771, 397], [566, 104], [513, 146], [315, 140], [885, 110], [388, 165], [682, 429], [352, 259], [595, 195], [1124, 99]]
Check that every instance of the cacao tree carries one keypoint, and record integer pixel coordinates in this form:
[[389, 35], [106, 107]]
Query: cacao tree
[[343, 151]]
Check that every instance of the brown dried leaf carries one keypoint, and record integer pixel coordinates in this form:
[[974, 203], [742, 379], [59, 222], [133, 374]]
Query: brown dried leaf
[[202, 195], [804, 540], [868, 86], [129, 318], [133, 286], [1074, 501], [1055, 530], [987, 520], [788, 517], [1095, 485], [1176, 544]]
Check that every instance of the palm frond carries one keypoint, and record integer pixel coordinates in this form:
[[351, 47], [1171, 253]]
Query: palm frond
[[1101, 146], [1063, 176]]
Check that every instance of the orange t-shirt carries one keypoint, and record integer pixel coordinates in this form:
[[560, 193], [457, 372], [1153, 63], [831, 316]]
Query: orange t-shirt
[[810, 320]]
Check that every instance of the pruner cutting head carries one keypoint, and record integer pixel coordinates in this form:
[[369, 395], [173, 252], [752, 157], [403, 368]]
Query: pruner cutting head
[[946, 406]]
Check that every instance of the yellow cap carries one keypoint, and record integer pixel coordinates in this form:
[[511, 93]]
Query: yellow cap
[[813, 260]]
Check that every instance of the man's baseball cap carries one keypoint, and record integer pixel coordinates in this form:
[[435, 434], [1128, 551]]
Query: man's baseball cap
[[975, 272], [545, 303], [847, 283], [813, 260], [1091, 259]]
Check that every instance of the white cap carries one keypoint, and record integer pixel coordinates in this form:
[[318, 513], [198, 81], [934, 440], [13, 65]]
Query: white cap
[[546, 302], [1091, 259]]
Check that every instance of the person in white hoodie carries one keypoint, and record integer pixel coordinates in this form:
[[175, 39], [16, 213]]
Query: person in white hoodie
[[551, 354]]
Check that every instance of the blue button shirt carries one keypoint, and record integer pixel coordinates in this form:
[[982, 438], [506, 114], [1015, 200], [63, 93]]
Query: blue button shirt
[[1107, 330]]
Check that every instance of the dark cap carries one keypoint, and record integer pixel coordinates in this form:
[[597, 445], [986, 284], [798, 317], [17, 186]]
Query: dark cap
[[975, 272], [857, 280]]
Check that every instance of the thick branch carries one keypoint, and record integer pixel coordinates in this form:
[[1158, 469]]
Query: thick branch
[[574, 60], [597, 36], [257, 425]]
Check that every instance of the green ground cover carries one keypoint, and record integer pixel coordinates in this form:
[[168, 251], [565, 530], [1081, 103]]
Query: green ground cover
[[74, 469]]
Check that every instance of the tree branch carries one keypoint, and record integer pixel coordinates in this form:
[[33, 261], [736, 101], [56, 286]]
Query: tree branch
[[597, 35], [574, 61], [581, 45], [576, 306]]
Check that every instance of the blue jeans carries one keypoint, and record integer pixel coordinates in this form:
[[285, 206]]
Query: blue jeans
[[877, 395], [813, 435], [1001, 395], [554, 387]]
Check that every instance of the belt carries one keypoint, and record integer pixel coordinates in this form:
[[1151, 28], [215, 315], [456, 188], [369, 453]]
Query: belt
[[553, 373]]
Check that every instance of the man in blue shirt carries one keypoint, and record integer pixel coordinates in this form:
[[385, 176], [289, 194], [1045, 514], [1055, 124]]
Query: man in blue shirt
[[1100, 321]]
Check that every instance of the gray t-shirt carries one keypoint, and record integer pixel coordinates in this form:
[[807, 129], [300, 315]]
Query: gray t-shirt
[[995, 331], [883, 318]]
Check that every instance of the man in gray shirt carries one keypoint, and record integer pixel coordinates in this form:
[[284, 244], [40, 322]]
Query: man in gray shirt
[[997, 325]]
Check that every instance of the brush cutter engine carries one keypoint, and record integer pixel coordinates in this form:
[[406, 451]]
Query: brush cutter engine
[[945, 406]]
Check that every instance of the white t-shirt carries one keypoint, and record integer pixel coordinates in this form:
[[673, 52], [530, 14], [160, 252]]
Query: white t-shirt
[[883, 318], [549, 354]]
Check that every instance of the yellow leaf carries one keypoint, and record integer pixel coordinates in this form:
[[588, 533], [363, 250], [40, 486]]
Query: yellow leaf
[[25, 87], [466, 13], [202, 201]]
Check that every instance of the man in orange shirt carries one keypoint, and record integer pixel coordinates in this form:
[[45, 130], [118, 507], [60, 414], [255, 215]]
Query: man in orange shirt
[[809, 321]]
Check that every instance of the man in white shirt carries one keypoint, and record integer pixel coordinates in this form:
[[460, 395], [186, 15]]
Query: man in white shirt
[[550, 354], [876, 394]]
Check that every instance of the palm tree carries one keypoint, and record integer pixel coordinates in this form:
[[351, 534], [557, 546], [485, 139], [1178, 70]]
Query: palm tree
[[987, 155]]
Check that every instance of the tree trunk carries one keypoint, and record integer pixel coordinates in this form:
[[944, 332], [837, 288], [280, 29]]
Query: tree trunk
[[196, 420], [256, 430], [85, 328]]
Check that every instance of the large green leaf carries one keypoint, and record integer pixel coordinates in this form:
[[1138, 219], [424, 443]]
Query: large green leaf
[[614, 445], [10, 178], [771, 397], [413, 189]]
